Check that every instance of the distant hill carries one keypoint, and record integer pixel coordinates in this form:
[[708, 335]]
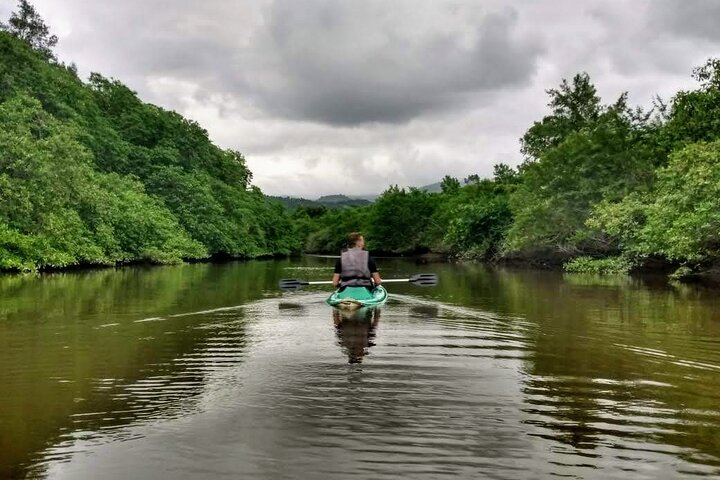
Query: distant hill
[[329, 201], [369, 198], [333, 199], [341, 201], [432, 188]]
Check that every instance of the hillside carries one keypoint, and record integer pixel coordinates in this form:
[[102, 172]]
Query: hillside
[[432, 188], [91, 174], [328, 201]]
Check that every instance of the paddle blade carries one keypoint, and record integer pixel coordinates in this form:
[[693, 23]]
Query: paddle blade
[[424, 280], [291, 284]]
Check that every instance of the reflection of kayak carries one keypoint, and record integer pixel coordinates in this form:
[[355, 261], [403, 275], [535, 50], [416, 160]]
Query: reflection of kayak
[[355, 330], [356, 297]]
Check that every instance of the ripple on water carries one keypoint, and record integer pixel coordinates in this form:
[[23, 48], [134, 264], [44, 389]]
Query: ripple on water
[[266, 391]]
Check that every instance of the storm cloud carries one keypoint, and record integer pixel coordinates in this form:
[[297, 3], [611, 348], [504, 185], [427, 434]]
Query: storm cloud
[[697, 19], [338, 96], [347, 63]]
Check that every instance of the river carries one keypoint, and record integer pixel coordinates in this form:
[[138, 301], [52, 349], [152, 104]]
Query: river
[[209, 371]]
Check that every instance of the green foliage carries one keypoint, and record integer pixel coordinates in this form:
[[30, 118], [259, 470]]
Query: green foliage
[[449, 185], [695, 115], [58, 211], [574, 106], [505, 174], [473, 178], [603, 155], [89, 174], [681, 273], [27, 25], [680, 219], [399, 220], [598, 181], [610, 265], [476, 220], [330, 236]]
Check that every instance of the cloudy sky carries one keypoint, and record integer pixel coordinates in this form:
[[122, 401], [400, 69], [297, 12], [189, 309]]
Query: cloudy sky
[[348, 96]]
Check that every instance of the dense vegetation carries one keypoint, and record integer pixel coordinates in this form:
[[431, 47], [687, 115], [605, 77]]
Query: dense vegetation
[[89, 174], [602, 188]]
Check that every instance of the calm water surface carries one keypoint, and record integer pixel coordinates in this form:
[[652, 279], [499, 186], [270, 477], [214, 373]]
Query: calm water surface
[[208, 371]]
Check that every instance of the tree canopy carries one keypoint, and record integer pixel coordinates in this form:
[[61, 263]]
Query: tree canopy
[[90, 174], [27, 25]]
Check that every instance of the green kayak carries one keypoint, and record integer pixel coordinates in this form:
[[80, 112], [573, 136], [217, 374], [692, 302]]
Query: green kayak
[[357, 297]]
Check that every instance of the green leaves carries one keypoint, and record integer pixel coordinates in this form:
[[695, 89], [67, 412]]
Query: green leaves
[[399, 220], [590, 153], [611, 265], [27, 25], [89, 174]]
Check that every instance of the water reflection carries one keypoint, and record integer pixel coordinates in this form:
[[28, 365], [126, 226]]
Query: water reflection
[[493, 373], [424, 311], [88, 352], [355, 330]]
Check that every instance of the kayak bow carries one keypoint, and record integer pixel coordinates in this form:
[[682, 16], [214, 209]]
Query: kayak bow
[[352, 298]]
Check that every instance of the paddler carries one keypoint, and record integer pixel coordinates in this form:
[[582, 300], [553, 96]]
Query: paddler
[[355, 267]]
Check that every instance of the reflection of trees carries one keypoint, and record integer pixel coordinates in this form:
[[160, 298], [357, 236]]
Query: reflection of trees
[[356, 331], [612, 360], [78, 356], [603, 368]]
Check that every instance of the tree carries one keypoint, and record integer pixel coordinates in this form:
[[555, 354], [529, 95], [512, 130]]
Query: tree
[[503, 173], [90, 174], [474, 178], [574, 106], [399, 220], [695, 115], [449, 184], [709, 74], [480, 218], [582, 154], [27, 25]]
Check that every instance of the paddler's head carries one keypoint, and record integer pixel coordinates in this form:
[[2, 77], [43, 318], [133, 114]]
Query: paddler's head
[[356, 239]]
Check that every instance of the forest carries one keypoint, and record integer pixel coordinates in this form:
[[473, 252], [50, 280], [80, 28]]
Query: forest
[[92, 175], [604, 187]]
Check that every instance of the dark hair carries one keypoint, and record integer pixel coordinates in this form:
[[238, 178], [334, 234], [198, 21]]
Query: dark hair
[[353, 238]]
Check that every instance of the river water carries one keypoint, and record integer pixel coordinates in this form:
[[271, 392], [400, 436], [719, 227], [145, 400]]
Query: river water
[[208, 371]]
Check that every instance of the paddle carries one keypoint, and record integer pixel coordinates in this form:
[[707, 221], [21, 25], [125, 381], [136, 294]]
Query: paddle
[[421, 280]]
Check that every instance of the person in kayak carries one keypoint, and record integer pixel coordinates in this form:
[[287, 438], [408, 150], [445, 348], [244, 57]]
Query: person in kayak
[[355, 268]]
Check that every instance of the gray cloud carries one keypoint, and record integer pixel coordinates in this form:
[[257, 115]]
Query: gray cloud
[[339, 63], [324, 96], [335, 63], [688, 18]]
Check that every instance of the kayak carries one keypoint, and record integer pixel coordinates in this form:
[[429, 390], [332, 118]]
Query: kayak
[[352, 298]]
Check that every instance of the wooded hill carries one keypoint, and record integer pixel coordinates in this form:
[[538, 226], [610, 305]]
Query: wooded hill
[[90, 174], [328, 201]]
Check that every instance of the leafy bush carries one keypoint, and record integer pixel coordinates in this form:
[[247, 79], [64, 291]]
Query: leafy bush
[[611, 265]]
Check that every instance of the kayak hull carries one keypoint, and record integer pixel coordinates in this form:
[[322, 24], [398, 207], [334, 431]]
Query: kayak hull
[[353, 298]]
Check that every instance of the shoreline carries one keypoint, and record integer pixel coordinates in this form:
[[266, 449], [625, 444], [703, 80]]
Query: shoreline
[[709, 275]]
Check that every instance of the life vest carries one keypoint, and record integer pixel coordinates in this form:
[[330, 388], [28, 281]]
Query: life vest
[[355, 271]]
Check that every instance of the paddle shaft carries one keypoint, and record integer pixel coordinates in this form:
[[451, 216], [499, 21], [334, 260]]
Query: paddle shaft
[[328, 282], [423, 280]]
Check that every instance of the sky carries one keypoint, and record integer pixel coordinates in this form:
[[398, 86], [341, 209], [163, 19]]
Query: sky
[[347, 96]]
